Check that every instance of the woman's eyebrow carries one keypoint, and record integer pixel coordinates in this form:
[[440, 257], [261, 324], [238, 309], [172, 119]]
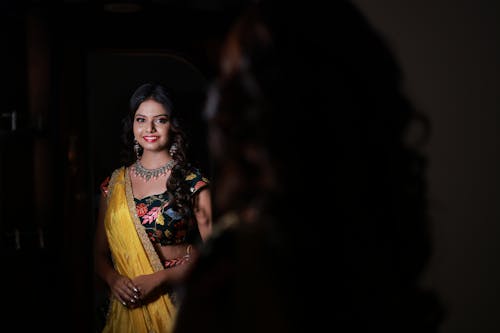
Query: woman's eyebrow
[[158, 115]]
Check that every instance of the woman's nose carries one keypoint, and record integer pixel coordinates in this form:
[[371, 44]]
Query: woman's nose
[[151, 127]]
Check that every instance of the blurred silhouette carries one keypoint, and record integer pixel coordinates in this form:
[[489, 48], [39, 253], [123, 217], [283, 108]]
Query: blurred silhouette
[[319, 182]]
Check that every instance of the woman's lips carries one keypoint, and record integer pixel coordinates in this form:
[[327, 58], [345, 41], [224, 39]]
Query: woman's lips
[[150, 138]]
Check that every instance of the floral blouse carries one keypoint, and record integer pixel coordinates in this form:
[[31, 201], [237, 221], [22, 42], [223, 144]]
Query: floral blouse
[[163, 224]]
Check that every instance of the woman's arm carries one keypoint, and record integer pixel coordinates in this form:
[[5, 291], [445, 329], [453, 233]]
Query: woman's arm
[[102, 262], [121, 287], [152, 285], [202, 208]]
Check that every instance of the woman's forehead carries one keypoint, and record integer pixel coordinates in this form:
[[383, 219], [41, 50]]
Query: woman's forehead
[[152, 108]]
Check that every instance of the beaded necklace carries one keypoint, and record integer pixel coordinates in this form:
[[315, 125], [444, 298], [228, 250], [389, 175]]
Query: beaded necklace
[[146, 174]]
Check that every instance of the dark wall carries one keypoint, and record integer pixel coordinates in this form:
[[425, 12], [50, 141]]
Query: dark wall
[[450, 52]]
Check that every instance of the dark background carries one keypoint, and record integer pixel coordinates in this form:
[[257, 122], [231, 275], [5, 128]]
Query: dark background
[[69, 67], [450, 52]]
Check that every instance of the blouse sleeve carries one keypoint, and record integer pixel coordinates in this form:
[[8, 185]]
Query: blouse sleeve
[[196, 181], [105, 187]]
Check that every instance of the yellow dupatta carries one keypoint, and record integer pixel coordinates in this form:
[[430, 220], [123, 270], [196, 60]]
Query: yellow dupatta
[[133, 254]]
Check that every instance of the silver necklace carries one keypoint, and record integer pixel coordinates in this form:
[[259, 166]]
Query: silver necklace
[[147, 174]]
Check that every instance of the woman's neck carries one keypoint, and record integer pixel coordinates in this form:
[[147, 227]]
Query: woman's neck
[[154, 160]]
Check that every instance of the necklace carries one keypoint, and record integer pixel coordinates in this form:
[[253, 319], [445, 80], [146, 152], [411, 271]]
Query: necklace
[[147, 174]]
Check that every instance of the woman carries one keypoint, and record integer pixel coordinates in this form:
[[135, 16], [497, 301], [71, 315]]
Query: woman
[[320, 196], [154, 211]]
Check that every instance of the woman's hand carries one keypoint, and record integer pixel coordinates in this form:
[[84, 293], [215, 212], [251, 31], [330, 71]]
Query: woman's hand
[[125, 291], [152, 286], [149, 286]]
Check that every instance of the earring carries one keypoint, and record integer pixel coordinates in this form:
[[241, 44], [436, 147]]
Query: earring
[[173, 149], [137, 149]]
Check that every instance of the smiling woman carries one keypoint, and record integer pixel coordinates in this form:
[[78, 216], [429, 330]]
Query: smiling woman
[[155, 211]]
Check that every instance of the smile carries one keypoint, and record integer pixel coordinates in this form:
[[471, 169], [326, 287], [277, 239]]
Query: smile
[[150, 138]]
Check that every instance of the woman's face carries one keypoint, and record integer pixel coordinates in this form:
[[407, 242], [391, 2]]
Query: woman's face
[[151, 126]]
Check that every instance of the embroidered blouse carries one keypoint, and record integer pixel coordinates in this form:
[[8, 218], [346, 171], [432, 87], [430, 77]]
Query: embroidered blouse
[[163, 224]]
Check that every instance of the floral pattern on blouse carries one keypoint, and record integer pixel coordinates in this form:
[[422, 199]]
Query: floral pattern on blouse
[[163, 224]]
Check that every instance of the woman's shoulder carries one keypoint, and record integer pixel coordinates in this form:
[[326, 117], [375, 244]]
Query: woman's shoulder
[[196, 179], [110, 179]]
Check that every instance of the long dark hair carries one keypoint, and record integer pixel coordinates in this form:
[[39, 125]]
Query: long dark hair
[[176, 184], [312, 124]]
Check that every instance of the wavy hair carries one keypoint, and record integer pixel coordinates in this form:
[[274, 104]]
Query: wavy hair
[[176, 184], [313, 130]]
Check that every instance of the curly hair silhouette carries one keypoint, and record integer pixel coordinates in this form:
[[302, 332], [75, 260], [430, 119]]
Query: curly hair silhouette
[[320, 190]]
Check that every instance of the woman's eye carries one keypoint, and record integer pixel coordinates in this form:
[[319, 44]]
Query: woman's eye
[[162, 120], [139, 120]]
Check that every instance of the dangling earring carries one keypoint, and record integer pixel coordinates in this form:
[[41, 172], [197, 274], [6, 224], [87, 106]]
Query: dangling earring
[[173, 149], [137, 149]]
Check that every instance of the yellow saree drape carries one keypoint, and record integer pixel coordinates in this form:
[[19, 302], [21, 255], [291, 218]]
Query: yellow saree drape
[[133, 255]]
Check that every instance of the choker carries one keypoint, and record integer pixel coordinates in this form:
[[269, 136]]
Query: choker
[[147, 174]]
